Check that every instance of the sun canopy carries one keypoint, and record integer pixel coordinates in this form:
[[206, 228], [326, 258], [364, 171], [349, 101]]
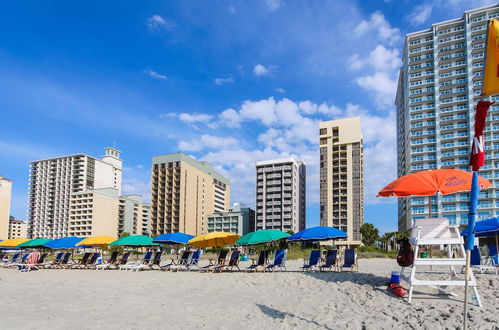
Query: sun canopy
[[64, 243], [261, 236], [425, 183], [100, 241], [134, 240], [34, 243], [173, 238], [484, 228], [320, 233], [214, 239], [13, 242]]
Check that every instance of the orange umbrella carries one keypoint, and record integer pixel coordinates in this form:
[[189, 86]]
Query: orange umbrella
[[424, 183]]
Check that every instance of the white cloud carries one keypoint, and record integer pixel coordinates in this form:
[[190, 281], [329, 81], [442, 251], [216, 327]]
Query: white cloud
[[156, 75], [230, 118], [280, 90], [195, 118], [220, 81], [260, 70], [156, 22], [378, 24], [207, 142], [419, 15], [381, 86], [272, 5]]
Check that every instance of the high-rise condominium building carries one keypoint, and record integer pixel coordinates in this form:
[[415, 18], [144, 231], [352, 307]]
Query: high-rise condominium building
[[17, 229], [184, 192], [54, 180], [342, 177], [5, 195], [239, 219], [104, 212], [439, 85], [280, 195]]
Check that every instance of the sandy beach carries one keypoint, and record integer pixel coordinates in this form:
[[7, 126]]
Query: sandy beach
[[89, 299]]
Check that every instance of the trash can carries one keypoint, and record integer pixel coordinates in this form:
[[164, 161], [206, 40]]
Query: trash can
[[395, 278]]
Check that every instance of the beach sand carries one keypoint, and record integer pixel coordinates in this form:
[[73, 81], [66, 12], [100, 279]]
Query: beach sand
[[89, 299]]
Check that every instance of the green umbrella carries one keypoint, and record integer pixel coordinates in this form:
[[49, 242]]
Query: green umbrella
[[134, 241], [261, 236], [34, 243]]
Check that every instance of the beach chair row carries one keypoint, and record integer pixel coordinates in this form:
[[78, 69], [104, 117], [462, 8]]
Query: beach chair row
[[332, 261]]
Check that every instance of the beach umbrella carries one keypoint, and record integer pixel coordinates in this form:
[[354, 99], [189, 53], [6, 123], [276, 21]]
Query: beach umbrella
[[134, 241], [319, 233], [173, 238], [13, 242], [64, 243], [214, 239], [261, 236], [34, 243], [431, 182], [485, 228], [99, 241]]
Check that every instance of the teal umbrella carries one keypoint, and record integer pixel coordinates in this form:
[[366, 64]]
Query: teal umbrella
[[34, 243], [134, 241], [261, 236]]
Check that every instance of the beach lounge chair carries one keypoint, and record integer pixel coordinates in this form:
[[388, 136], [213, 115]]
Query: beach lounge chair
[[41, 261], [350, 260], [113, 260], [222, 256], [233, 262], [194, 262], [93, 261], [83, 261], [122, 261], [64, 263], [56, 261], [313, 260], [260, 262], [279, 261], [30, 262], [331, 260], [13, 260], [144, 264], [476, 262], [184, 258], [156, 261], [493, 254]]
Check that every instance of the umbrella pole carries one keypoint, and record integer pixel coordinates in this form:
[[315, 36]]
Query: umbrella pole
[[466, 278]]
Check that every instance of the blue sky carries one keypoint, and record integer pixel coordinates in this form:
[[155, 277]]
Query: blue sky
[[230, 82]]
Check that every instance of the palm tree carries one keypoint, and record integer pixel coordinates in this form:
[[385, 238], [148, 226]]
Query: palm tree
[[370, 234]]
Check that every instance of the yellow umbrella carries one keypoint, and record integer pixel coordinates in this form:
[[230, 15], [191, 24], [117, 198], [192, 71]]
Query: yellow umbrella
[[100, 241], [214, 239], [13, 242]]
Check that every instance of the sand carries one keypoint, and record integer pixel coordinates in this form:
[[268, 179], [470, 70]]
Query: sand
[[89, 299]]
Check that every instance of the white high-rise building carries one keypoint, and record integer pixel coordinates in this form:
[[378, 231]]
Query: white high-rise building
[[280, 195], [54, 180], [439, 85], [5, 195]]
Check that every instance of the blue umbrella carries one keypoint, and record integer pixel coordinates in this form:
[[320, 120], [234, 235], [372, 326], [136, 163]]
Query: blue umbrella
[[484, 228], [319, 233], [173, 238], [64, 243]]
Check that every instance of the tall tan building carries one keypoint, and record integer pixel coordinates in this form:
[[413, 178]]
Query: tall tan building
[[183, 193], [18, 229], [5, 195], [54, 180], [341, 177], [104, 212]]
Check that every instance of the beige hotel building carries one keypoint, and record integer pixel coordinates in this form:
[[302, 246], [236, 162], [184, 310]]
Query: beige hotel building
[[341, 177], [184, 192], [17, 229], [5, 195]]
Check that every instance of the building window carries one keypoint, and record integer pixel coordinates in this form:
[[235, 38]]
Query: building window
[[323, 131]]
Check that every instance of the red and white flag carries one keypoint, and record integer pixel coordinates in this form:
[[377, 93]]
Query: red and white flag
[[477, 155]]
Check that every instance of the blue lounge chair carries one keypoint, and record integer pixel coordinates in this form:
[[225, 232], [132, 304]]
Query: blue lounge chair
[[56, 261], [331, 260], [12, 260], [493, 254], [182, 261], [313, 260], [476, 262], [233, 262], [144, 264], [350, 260], [221, 260], [261, 262], [156, 261], [83, 261], [279, 261], [194, 262]]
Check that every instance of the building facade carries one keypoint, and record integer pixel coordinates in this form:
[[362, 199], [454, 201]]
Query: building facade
[[104, 212], [53, 181], [280, 195], [342, 177], [5, 196], [439, 85], [17, 229], [239, 219], [184, 192]]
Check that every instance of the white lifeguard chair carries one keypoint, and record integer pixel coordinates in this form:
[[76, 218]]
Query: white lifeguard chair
[[437, 231]]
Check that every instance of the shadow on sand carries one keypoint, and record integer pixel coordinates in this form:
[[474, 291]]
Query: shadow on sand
[[277, 314]]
